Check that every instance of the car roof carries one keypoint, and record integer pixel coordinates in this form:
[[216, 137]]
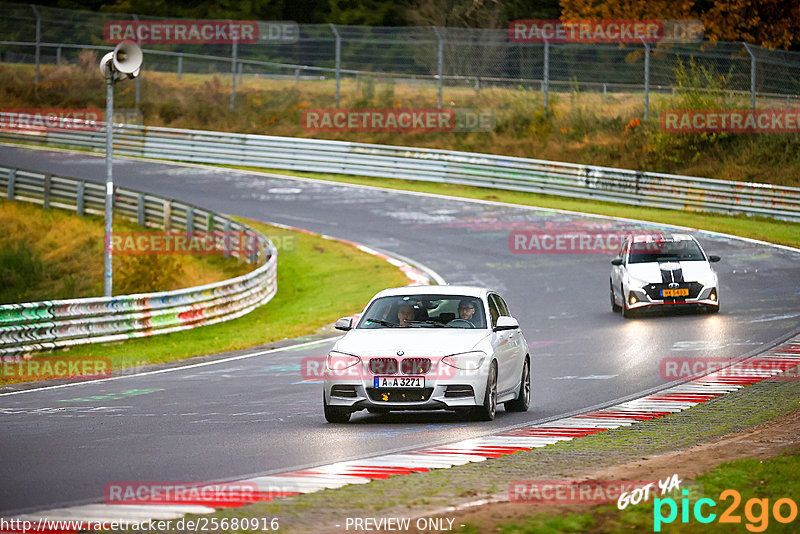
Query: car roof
[[467, 291]]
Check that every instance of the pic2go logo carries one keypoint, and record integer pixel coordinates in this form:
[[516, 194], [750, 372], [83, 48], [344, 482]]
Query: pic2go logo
[[756, 511]]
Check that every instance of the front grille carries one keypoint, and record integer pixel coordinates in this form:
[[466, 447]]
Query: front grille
[[415, 366], [383, 366], [654, 291], [399, 394]]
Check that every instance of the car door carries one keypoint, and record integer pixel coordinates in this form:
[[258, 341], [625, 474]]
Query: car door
[[517, 341], [504, 350]]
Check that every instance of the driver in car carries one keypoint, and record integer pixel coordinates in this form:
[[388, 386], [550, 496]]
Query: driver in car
[[466, 309], [405, 314]]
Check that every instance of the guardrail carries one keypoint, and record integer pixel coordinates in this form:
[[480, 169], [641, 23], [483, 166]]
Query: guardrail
[[47, 325], [483, 170]]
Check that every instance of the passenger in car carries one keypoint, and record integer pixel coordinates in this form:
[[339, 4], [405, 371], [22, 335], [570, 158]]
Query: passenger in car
[[405, 314]]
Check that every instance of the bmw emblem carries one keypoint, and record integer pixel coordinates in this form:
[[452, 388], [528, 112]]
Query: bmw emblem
[[400, 352], [674, 285]]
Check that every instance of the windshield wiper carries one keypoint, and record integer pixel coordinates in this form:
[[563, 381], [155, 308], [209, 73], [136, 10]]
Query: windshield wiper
[[432, 323], [381, 322]]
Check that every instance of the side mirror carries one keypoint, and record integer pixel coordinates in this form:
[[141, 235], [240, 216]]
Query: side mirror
[[714, 259], [345, 323], [505, 322], [616, 261]]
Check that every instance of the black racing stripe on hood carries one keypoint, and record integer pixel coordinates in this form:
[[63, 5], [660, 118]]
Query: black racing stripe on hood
[[671, 275]]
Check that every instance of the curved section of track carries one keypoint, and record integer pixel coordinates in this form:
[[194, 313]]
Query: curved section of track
[[254, 415]]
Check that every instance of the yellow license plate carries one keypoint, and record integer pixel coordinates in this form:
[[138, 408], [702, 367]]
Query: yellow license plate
[[684, 292]]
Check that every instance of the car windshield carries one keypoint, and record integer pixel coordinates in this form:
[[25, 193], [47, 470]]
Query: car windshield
[[651, 251], [424, 311]]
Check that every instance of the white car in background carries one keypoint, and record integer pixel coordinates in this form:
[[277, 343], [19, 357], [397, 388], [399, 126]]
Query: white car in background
[[656, 271], [429, 348]]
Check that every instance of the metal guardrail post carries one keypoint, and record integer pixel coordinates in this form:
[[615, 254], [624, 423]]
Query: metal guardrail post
[[226, 238], [546, 77], [12, 182], [80, 199], [752, 76], [180, 67], [109, 198], [58, 56], [141, 218], [167, 215], [646, 80], [38, 41], [338, 51], [234, 52], [48, 180], [440, 65], [189, 220]]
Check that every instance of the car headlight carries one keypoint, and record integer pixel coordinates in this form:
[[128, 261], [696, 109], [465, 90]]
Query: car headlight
[[635, 283], [467, 361], [339, 360]]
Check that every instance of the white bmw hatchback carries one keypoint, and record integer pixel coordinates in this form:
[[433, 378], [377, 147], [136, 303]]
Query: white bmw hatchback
[[429, 348]]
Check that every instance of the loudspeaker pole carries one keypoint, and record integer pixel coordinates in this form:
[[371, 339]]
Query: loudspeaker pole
[[109, 215]]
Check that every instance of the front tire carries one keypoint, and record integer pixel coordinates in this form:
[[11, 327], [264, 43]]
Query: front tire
[[488, 410], [335, 414], [523, 400], [614, 306]]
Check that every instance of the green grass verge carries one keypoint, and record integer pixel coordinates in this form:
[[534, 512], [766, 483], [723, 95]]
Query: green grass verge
[[319, 280], [763, 228], [769, 480]]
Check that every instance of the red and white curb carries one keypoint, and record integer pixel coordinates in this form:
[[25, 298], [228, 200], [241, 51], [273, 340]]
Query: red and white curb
[[671, 400]]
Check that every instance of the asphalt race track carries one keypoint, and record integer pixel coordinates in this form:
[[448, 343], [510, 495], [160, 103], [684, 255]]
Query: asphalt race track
[[258, 415]]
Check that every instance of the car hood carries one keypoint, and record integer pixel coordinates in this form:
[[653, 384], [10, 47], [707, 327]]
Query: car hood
[[430, 342], [651, 272]]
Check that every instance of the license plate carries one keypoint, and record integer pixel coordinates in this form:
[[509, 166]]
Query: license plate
[[683, 292], [411, 382]]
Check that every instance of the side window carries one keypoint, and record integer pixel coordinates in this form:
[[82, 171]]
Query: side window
[[493, 310], [501, 304]]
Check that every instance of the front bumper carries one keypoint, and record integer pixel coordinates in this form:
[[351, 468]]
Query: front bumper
[[702, 297], [465, 390]]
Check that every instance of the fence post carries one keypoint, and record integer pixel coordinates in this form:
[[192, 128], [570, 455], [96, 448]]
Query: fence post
[[180, 67], [440, 66], [234, 51], [752, 76], [58, 56], [647, 81], [296, 76], [226, 238], [241, 74], [546, 77], [140, 213], [12, 182], [338, 60], [80, 198], [38, 41], [605, 92]]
